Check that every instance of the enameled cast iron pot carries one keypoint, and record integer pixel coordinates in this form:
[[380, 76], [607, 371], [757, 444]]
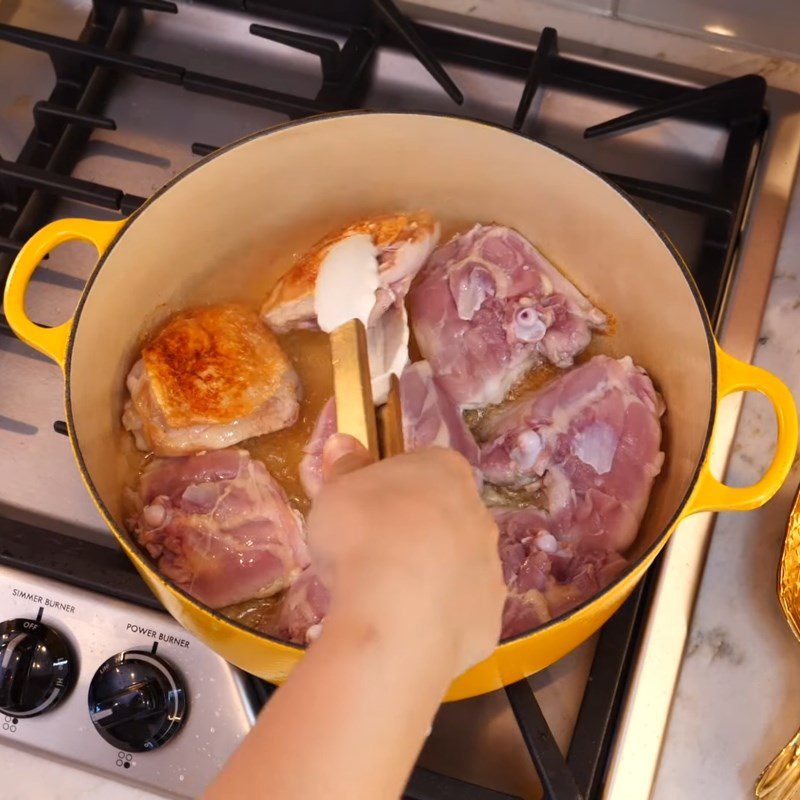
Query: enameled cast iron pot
[[224, 229]]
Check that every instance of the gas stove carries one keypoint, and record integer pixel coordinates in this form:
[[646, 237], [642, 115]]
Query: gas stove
[[105, 101]]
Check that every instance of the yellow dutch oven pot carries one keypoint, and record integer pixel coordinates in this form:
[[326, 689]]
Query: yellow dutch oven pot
[[227, 227]]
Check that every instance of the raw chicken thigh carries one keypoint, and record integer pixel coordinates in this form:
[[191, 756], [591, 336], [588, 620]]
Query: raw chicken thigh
[[592, 438], [304, 608], [546, 576], [404, 242], [429, 420], [488, 306], [219, 526], [311, 465], [590, 442], [212, 377]]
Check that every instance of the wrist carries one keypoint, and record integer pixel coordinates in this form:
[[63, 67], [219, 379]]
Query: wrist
[[394, 644]]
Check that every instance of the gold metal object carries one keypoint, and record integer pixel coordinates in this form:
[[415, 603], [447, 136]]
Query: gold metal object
[[355, 412], [390, 421], [781, 778]]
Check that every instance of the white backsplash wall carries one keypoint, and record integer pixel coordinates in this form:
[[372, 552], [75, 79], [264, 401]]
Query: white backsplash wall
[[607, 7], [772, 25], [769, 25], [590, 22]]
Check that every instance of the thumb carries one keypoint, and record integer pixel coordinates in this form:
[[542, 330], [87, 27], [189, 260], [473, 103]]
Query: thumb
[[341, 454]]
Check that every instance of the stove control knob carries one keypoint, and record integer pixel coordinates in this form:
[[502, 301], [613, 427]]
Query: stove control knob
[[137, 701], [36, 668]]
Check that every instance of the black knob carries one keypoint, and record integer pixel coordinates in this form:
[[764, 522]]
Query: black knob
[[36, 668], [137, 701]]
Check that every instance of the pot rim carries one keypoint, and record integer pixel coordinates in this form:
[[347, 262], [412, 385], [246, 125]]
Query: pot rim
[[124, 537]]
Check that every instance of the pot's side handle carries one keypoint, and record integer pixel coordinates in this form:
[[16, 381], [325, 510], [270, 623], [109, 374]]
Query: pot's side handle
[[737, 376], [50, 341]]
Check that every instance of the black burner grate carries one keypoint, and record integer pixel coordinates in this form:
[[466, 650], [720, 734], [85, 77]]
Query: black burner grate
[[86, 70]]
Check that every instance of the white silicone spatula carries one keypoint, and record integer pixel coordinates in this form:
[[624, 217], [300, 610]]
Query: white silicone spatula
[[343, 299]]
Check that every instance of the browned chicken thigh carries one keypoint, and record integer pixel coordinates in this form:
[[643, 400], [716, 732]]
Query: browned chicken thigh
[[403, 241], [212, 377]]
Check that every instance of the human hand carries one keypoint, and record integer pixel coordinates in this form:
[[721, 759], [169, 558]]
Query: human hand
[[408, 550]]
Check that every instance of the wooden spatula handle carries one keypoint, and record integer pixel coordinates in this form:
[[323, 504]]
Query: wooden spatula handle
[[355, 412], [390, 418]]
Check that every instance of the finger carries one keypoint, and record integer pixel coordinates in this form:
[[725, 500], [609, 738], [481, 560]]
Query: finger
[[342, 454]]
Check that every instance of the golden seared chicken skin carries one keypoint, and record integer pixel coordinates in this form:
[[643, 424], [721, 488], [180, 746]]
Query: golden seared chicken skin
[[211, 377], [403, 242]]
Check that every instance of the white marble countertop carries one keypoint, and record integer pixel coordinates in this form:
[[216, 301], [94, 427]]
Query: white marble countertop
[[737, 702]]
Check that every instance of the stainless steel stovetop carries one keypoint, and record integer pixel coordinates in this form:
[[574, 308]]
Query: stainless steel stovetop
[[157, 124], [219, 710]]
